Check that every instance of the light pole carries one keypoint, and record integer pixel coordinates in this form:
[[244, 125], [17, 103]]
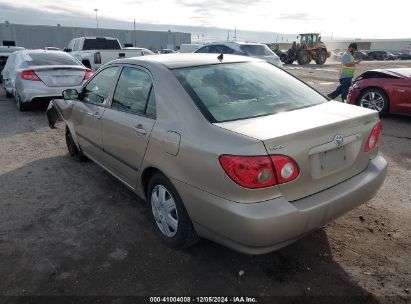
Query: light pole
[[96, 10]]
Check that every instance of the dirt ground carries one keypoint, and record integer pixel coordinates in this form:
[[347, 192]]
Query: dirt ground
[[70, 228]]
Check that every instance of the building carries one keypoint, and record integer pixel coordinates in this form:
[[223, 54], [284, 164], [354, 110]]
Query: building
[[40, 36]]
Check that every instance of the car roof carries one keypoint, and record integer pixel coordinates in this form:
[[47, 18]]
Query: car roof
[[181, 60], [42, 51], [96, 37], [234, 43], [11, 48]]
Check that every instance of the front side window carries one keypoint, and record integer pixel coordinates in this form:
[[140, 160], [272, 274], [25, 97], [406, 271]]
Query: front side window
[[132, 91], [233, 91], [98, 89]]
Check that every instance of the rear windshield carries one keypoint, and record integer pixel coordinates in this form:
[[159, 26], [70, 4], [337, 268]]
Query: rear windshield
[[101, 44], [256, 49], [57, 58], [226, 92]]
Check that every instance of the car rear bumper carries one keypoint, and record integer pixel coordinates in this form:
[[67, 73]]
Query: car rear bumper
[[262, 227], [41, 93]]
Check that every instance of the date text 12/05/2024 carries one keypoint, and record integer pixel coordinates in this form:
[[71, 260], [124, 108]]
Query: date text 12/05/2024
[[203, 299]]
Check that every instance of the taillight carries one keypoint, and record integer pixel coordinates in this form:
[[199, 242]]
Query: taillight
[[29, 75], [88, 74], [286, 168], [97, 57], [249, 171], [259, 171], [374, 138]]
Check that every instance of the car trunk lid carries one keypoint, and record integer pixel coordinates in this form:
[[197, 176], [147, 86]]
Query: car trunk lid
[[327, 142], [60, 76]]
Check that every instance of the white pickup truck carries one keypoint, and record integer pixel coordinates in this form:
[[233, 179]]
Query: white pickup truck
[[93, 52]]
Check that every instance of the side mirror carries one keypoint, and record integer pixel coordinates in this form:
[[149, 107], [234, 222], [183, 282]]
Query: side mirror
[[67, 50], [70, 94]]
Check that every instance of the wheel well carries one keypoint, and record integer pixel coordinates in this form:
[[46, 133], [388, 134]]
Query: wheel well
[[86, 63], [146, 176], [374, 87]]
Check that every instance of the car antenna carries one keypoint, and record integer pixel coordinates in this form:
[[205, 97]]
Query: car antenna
[[220, 57]]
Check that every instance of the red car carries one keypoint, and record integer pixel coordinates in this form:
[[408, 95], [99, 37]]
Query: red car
[[384, 90]]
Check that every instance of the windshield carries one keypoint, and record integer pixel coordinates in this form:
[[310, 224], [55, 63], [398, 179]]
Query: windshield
[[48, 58], [256, 49], [233, 91]]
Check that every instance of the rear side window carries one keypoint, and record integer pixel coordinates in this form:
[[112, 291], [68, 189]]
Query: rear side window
[[205, 49], [101, 44], [49, 58], [233, 91]]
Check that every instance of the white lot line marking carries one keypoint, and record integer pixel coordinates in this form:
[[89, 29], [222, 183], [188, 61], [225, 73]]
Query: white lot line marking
[[327, 83], [326, 70]]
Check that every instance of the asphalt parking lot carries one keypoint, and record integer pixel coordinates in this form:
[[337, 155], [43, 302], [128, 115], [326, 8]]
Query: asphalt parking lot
[[69, 228]]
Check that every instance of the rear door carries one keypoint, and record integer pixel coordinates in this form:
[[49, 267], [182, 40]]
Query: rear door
[[127, 124], [89, 110]]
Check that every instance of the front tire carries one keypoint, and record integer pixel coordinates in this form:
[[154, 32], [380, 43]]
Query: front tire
[[74, 152], [303, 57], [168, 214], [375, 99], [321, 56]]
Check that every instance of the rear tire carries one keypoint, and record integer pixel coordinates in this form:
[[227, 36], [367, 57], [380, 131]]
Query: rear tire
[[375, 99], [168, 214], [74, 152], [283, 58], [5, 91], [21, 106]]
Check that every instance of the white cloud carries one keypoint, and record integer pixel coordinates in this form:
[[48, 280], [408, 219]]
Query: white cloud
[[360, 19]]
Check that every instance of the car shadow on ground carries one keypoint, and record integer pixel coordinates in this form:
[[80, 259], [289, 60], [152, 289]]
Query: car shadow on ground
[[69, 228]]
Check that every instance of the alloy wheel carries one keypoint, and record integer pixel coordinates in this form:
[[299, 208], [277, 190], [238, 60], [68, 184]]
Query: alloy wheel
[[164, 210], [373, 100]]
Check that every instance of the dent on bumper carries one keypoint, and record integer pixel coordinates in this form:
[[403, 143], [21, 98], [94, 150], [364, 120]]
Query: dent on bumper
[[266, 226]]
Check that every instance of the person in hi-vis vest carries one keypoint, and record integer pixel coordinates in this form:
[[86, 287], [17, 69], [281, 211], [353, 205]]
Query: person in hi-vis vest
[[347, 73]]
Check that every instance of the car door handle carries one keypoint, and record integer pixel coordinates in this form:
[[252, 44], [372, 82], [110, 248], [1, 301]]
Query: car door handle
[[140, 130], [95, 114]]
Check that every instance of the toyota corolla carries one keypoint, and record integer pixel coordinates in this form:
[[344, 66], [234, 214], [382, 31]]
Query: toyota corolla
[[224, 147]]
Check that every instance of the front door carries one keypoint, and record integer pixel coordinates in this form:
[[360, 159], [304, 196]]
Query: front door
[[89, 110], [402, 89], [127, 124]]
